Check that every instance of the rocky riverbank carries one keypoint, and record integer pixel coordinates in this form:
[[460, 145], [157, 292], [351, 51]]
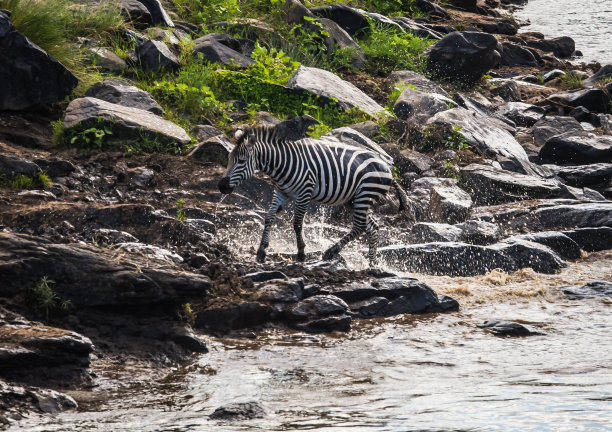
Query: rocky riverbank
[[118, 253]]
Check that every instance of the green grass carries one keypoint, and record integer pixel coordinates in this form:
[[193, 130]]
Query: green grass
[[42, 297], [572, 81], [39, 180]]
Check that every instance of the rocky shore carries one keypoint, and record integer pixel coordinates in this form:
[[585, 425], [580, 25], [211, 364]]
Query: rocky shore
[[112, 260]]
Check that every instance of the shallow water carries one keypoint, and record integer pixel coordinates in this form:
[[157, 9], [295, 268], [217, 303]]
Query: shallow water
[[409, 373], [588, 22]]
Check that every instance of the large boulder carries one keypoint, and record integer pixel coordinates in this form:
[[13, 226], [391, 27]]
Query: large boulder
[[591, 239], [158, 13], [485, 137], [521, 113], [449, 204], [562, 244], [155, 56], [516, 55], [577, 148], [489, 185], [106, 59], [28, 75], [593, 99], [146, 12], [121, 93], [421, 105], [323, 83], [464, 56], [126, 122], [604, 73], [215, 149], [340, 39], [13, 165], [561, 47]]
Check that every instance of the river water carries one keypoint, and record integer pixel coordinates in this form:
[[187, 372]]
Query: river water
[[588, 22], [408, 373]]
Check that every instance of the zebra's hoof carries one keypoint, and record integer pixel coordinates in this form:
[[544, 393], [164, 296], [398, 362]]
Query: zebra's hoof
[[330, 254], [301, 257], [261, 256]]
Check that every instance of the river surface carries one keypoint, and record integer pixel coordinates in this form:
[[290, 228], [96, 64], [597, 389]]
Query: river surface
[[588, 22], [408, 373]]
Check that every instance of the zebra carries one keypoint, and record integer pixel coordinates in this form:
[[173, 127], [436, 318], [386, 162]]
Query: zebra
[[324, 171]]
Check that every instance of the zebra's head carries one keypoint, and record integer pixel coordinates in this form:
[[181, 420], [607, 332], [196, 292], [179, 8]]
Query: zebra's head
[[241, 165]]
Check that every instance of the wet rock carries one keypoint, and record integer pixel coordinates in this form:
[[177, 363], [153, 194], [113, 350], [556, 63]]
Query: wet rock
[[591, 289], [515, 55], [407, 160], [583, 115], [560, 243], [506, 26], [480, 106], [448, 304], [521, 113], [414, 103], [204, 132], [327, 324], [431, 8], [506, 328], [140, 177], [152, 251], [111, 236], [489, 185], [593, 99], [561, 47], [592, 239], [349, 19], [508, 91], [12, 165], [121, 93], [464, 56], [239, 411], [485, 137], [548, 127], [28, 75], [479, 232], [91, 276], [154, 56], [54, 167], [583, 194], [323, 83], [214, 51], [527, 254], [53, 402], [231, 316], [288, 291], [264, 276], [215, 150], [584, 175], [317, 306], [427, 232], [106, 60], [420, 83], [577, 148], [126, 122], [555, 73], [449, 204], [603, 73], [185, 337]]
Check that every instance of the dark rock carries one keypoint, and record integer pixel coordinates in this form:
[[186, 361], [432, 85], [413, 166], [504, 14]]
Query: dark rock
[[577, 148], [593, 99], [479, 232], [12, 165], [449, 204], [353, 138], [480, 106], [110, 236], [448, 304], [582, 114], [591, 289], [414, 103], [367, 128], [420, 193], [431, 8], [126, 122], [215, 150], [603, 73], [136, 12], [555, 73], [295, 11], [147, 12], [317, 306], [327, 324], [54, 167], [410, 160], [222, 38], [121, 93], [469, 5], [584, 194], [527, 254], [239, 411], [489, 185], [415, 28], [521, 113], [584, 175], [507, 26], [342, 40], [154, 56], [28, 75], [186, 338], [204, 132], [264, 276], [464, 56], [515, 55], [232, 316], [592, 239], [407, 78], [214, 51], [508, 91], [561, 47], [281, 291], [547, 127], [506, 328], [560, 243], [349, 19], [324, 83], [296, 128]]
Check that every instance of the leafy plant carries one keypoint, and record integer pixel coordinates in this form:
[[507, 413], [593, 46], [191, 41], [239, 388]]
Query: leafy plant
[[449, 169], [42, 297], [456, 140], [180, 210], [92, 137], [317, 131], [395, 94], [188, 313], [272, 65]]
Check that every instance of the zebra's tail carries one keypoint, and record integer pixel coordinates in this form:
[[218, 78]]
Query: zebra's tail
[[405, 204]]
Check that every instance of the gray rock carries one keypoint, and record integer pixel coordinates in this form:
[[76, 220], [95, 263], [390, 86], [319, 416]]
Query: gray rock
[[527, 254], [151, 251], [449, 204], [341, 40], [54, 167], [414, 103], [317, 306], [28, 75], [216, 150], [407, 160], [577, 148], [410, 78], [185, 337], [592, 239], [323, 83], [154, 56], [351, 137], [239, 411], [603, 73], [214, 51], [327, 324], [13, 165], [136, 12], [464, 56], [121, 93], [560, 243], [111, 236], [561, 47], [521, 113], [547, 127], [508, 91], [204, 132], [584, 175], [515, 55], [106, 59], [591, 289], [349, 19], [295, 11], [126, 122], [264, 276], [158, 14], [281, 291], [593, 99], [506, 328], [428, 232], [555, 73], [479, 232]]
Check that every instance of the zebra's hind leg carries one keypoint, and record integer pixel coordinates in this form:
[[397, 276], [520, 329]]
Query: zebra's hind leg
[[372, 231], [277, 202], [298, 221], [360, 213]]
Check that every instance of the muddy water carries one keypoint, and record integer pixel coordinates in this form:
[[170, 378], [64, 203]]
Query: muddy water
[[424, 373]]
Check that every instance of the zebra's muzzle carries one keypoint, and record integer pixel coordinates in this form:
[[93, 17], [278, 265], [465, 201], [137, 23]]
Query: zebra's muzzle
[[224, 186]]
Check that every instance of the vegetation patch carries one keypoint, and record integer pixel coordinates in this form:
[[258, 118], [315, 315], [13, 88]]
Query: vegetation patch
[[43, 298], [39, 180]]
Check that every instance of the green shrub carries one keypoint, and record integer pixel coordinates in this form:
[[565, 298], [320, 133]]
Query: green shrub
[[44, 299], [207, 11], [272, 65], [180, 210]]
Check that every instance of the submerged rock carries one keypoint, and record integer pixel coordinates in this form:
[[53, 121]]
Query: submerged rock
[[507, 328], [239, 411], [591, 289]]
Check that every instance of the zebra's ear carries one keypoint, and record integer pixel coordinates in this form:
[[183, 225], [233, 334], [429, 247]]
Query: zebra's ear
[[238, 134]]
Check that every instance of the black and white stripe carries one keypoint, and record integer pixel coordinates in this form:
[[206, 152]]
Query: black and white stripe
[[324, 171]]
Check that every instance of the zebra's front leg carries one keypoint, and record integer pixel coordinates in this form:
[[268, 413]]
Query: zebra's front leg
[[359, 226], [372, 231], [277, 202], [301, 205]]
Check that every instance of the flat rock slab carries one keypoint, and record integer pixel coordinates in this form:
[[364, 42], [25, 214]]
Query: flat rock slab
[[323, 83], [591, 289], [521, 113], [592, 239], [577, 148], [584, 175], [125, 121], [490, 185], [121, 93], [562, 244]]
